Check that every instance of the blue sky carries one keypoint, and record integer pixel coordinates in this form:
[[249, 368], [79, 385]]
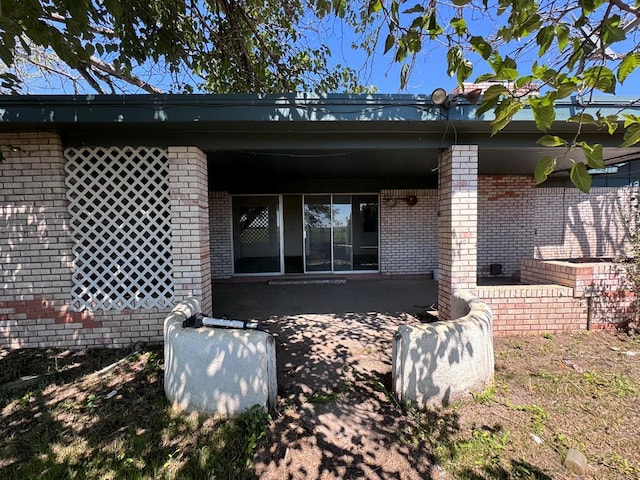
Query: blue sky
[[431, 65]]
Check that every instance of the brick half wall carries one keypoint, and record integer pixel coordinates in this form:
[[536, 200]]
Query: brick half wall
[[534, 308]]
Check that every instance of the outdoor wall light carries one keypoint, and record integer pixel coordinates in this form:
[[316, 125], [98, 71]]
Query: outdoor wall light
[[441, 98], [410, 200]]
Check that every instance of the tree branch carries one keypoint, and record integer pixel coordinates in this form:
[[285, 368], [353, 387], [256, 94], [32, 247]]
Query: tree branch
[[627, 8], [90, 80], [131, 79]]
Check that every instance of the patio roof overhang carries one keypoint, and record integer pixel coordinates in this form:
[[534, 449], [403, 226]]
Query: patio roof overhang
[[310, 136]]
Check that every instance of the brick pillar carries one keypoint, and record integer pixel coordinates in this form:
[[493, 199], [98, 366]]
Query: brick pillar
[[190, 225], [457, 228]]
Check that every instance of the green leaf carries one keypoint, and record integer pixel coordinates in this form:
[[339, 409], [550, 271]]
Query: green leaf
[[610, 121], [589, 6], [628, 64], [374, 6], [611, 31], [631, 136], [544, 168], [494, 91], [594, 154], [562, 34], [630, 119], [417, 8], [509, 62], [601, 78], [544, 39], [454, 57], [523, 81], [459, 25], [508, 74], [580, 177], [414, 44], [433, 27], [486, 104], [389, 42], [582, 118], [565, 89], [544, 115], [504, 113], [464, 71], [551, 141], [404, 74], [481, 46], [460, 3]]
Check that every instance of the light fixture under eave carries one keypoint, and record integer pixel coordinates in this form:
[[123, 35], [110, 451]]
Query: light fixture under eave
[[441, 98]]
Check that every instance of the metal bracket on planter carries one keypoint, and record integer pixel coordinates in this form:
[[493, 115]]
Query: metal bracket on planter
[[199, 320]]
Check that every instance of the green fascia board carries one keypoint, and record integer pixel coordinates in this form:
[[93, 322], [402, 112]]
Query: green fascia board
[[184, 109]]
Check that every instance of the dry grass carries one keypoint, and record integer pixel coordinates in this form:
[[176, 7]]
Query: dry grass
[[571, 390], [551, 393]]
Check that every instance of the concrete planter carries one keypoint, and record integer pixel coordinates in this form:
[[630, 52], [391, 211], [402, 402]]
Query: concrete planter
[[435, 364], [216, 370]]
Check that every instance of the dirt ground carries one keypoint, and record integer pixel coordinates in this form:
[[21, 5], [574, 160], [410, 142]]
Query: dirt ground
[[335, 418]]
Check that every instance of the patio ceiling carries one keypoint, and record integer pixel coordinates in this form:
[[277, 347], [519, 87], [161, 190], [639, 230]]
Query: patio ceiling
[[307, 136]]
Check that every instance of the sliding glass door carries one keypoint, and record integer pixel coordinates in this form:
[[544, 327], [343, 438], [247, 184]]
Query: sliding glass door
[[304, 233], [340, 232]]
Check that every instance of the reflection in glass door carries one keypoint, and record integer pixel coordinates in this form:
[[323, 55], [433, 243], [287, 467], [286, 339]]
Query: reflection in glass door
[[317, 233], [256, 234], [340, 233], [342, 246]]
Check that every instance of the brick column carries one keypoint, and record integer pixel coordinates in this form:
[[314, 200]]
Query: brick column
[[457, 227], [190, 225]]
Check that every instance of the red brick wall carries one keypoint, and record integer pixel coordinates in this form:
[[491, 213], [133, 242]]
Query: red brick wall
[[534, 308]]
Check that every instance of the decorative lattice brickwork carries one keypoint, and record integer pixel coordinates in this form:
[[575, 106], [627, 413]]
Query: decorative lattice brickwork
[[120, 220]]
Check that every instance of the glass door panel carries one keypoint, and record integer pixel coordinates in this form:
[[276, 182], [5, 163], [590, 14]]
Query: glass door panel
[[342, 244], [365, 232], [256, 234], [317, 233]]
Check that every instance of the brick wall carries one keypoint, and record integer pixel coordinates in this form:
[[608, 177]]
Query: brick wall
[[534, 308], [221, 235], [408, 234], [604, 285], [569, 223], [505, 222], [37, 259]]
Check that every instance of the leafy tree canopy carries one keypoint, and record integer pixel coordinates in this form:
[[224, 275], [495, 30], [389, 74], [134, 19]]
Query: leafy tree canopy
[[178, 45]]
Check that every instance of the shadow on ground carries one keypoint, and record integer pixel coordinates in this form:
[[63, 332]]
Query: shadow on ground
[[335, 417]]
